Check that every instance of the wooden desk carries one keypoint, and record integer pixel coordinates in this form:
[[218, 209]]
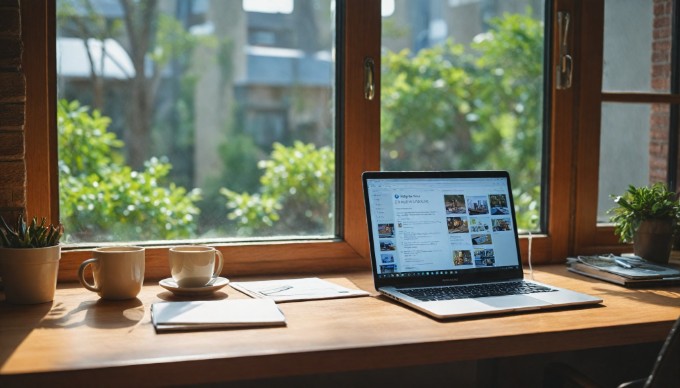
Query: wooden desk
[[79, 338]]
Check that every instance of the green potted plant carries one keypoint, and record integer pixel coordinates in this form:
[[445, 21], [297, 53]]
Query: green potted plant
[[29, 260], [648, 216]]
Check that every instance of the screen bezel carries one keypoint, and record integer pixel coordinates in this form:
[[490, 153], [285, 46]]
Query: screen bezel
[[467, 276]]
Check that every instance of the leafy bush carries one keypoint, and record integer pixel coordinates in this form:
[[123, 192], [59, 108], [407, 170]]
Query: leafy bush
[[296, 193], [102, 199]]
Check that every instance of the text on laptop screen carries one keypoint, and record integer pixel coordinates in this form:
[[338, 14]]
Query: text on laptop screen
[[441, 226]]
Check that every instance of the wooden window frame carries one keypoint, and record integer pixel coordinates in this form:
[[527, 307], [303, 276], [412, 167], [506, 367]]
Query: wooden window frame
[[589, 237], [359, 146]]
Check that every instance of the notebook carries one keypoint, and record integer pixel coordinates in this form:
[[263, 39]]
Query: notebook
[[215, 314], [446, 243]]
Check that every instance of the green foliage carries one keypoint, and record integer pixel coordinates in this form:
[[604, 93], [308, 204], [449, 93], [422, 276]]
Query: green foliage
[[638, 204], [451, 108], [253, 213], [84, 143], [296, 193], [239, 155], [103, 199], [172, 40], [33, 235], [424, 97], [527, 203]]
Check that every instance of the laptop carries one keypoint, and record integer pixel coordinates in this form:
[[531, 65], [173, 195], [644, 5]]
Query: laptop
[[446, 243]]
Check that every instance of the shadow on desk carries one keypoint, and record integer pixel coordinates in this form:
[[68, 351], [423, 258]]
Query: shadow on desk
[[661, 296], [170, 297], [658, 296], [100, 314], [31, 316]]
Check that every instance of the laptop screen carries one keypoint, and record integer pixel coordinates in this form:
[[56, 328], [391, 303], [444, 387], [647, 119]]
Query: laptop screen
[[453, 226]]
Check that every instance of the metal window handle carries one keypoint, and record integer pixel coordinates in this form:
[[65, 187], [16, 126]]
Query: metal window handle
[[564, 69], [369, 79]]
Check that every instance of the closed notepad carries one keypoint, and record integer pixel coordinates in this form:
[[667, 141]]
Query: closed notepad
[[197, 315]]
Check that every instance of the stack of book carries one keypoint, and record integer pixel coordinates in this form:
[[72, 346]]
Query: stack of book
[[628, 271]]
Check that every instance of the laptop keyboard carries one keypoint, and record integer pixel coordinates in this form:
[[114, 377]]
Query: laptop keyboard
[[429, 294]]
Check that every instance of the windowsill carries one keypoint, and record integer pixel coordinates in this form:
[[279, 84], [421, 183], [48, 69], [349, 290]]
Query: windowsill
[[282, 257], [245, 259]]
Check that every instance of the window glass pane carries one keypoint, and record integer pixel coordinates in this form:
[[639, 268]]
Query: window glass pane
[[196, 119], [637, 59], [633, 150], [462, 88]]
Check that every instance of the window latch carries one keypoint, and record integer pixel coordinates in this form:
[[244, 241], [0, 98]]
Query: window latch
[[564, 68], [369, 79]]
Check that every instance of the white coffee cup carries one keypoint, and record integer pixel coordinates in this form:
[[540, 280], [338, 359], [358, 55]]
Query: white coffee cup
[[118, 272], [194, 265]]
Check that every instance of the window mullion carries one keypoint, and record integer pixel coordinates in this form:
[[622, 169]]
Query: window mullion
[[38, 31], [361, 140]]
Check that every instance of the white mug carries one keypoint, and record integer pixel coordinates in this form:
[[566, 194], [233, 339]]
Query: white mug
[[194, 265], [118, 272]]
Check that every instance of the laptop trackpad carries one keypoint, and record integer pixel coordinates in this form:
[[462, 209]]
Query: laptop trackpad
[[512, 301]]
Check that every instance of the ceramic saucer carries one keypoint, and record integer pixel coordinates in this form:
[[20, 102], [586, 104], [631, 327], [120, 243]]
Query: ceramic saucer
[[170, 285]]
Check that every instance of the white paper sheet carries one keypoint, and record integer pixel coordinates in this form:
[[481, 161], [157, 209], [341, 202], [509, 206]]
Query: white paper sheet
[[288, 290]]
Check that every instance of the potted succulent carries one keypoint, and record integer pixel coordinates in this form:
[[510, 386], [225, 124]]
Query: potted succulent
[[648, 216], [29, 260]]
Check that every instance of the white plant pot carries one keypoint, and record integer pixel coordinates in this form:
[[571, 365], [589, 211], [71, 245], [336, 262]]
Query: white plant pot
[[29, 275]]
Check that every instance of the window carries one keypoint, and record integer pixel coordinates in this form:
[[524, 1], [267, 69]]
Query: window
[[628, 109], [570, 194], [342, 250], [641, 129]]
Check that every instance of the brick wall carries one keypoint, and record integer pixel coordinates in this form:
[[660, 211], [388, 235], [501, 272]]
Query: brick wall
[[12, 107], [661, 80]]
